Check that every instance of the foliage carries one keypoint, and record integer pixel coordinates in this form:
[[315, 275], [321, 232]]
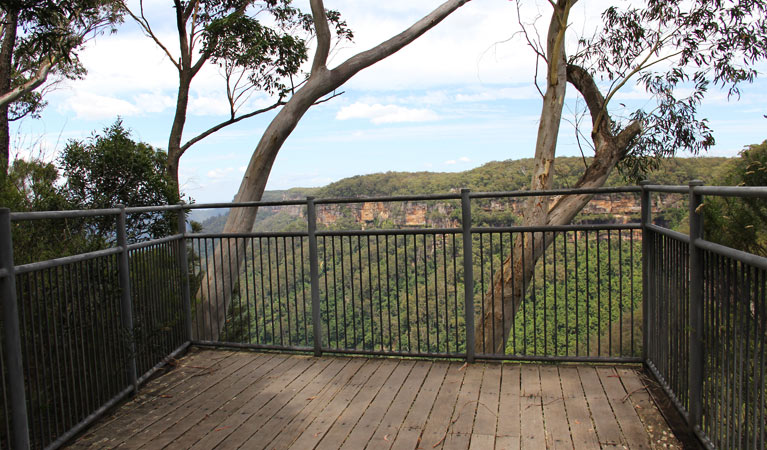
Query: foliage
[[672, 47], [35, 186], [108, 169], [740, 222], [39, 38]]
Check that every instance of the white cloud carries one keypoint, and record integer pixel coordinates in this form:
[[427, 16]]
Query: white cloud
[[461, 160], [378, 113], [155, 102], [91, 106], [492, 94], [217, 174]]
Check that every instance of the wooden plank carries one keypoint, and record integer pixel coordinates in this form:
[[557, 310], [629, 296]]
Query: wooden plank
[[660, 434], [631, 426], [183, 423], [439, 419], [482, 441], [508, 428], [282, 419], [150, 416], [410, 433], [486, 420], [554, 415], [374, 415], [325, 419], [582, 430], [387, 431], [254, 398], [305, 417], [531, 408], [459, 435], [377, 384], [608, 431], [127, 417], [210, 432]]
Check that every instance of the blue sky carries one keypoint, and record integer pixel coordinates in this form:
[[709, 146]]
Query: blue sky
[[460, 96]]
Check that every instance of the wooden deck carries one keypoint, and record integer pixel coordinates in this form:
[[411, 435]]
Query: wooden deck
[[228, 400]]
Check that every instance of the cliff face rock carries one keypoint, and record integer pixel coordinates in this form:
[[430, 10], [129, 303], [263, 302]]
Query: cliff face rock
[[601, 209]]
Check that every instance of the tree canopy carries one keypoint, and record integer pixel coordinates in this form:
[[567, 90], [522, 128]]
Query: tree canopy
[[110, 168], [740, 222], [40, 38], [259, 46]]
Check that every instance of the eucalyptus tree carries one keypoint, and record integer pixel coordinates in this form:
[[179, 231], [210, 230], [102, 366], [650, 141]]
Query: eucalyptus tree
[[258, 45], [40, 39], [320, 82], [674, 49]]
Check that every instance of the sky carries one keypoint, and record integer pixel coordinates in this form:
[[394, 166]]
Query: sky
[[458, 97]]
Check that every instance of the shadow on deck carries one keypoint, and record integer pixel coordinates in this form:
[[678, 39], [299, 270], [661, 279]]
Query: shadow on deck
[[231, 399]]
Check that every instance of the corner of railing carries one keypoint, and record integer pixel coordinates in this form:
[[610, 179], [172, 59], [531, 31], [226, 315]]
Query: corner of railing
[[183, 262], [311, 217], [468, 273], [695, 368], [126, 300], [12, 337]]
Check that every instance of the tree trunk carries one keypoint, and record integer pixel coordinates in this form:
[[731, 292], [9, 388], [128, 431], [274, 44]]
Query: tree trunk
[[6, 75], [177, 129], [494, 323], [503, 299], [217, 284]]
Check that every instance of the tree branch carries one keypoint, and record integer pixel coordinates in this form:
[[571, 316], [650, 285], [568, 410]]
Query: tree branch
[[225, 124], [144, 24], [40, 76], [322, 30], [369, 57], [584, 83]]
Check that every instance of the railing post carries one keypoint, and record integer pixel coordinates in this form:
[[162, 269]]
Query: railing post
[[12, 337], [695, 368], [468, 273], [646, 219], [183, 262], [311, 217], [126, 301]]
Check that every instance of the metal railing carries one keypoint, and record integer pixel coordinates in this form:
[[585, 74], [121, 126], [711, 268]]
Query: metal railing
[[81, 333], [707, 310]]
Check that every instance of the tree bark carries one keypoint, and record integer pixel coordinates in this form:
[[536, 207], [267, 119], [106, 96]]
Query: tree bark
[[6, 74], [179, 120], [216, 288]]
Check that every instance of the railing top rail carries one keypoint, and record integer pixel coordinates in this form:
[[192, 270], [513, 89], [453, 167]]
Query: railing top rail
[[301, 202], [729, 191], [392, 198], [556, 228], [50, 263], [603, 190], [732, 191], [38, 215], [667, 189]]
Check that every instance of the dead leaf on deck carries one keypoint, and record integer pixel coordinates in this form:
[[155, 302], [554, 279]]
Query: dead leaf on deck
[[386, 437], [311, 398], [463, 366]]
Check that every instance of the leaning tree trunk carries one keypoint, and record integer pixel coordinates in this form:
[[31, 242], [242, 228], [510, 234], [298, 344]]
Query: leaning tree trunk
[[218, 282], [494, 321], [503, 299]]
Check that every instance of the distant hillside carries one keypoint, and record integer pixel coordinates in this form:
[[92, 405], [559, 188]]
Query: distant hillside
[[496, 176]]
